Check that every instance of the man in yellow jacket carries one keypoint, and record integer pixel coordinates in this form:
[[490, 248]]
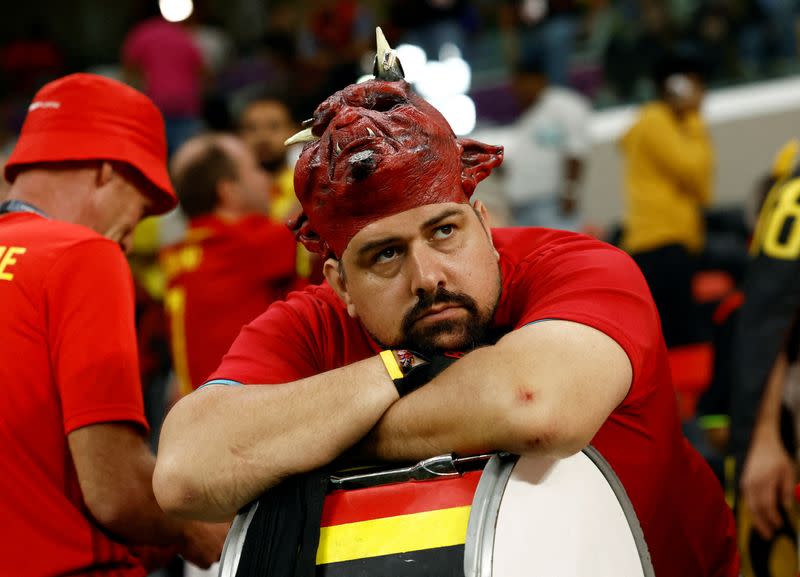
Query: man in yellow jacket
[[668, 175]]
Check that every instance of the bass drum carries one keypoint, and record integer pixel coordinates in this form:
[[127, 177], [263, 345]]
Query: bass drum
[[482, 516]]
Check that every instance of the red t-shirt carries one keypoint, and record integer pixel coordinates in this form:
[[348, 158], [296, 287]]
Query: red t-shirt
[[67, 360], [549, 274], [222, 277]]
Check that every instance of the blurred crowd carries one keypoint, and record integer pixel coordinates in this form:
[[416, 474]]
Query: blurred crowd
[[603, 48], [231, 95]]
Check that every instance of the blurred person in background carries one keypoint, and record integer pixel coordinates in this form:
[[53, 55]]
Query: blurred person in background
[[430, 24], [77, 484], [767, 38], [164, 60], [544, 30], [217, 49], [669, 167], [264, 124], [211, 38], [332, 40], [546, 151], [234, 262], [641, 34], [713, 408], [763, 427], [270, 66]]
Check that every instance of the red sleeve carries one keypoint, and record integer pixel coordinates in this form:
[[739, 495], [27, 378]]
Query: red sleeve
[[589, 282], [277, 347], [90, 311]]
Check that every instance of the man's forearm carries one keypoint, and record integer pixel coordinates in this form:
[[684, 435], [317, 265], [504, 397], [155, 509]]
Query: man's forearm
[[115, 467], [454, 413], [545, 389], [430, 420], [223, 446], [143, 522]]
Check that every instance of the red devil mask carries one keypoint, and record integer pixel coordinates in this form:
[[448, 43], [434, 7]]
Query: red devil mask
[[381, 150]]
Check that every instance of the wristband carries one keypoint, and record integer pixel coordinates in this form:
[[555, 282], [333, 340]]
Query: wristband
[[391, 364], [409, 370], [399, 364]]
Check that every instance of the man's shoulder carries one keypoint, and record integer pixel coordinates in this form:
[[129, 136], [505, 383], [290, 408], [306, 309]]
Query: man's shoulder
[[55, 252], [315, 310], [319, 298], [524, 243], [541, 255], [56, 235], [312, 305]]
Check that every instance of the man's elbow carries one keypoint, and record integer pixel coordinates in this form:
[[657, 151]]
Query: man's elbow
[[112, 510], [179, 485], [122, 512], [176, 492], [545, 435]]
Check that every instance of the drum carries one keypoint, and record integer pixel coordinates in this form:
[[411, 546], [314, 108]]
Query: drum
[[479, 516]]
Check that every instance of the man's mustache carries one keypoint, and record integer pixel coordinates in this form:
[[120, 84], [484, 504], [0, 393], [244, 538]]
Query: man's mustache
[[429, 300]]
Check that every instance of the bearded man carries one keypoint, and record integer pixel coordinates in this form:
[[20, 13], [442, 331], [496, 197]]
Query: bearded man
[[561, 338]]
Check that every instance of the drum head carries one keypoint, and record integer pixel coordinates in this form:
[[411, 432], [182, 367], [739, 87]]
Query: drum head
[[557, 517]]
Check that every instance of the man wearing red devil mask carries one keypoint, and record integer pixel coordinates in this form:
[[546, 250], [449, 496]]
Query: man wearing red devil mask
[[561, 336]]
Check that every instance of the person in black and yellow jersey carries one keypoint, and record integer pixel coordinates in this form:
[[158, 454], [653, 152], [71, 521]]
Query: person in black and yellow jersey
[[762, 430]]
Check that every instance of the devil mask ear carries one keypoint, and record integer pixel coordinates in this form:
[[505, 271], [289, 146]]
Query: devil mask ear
[[477, 162]]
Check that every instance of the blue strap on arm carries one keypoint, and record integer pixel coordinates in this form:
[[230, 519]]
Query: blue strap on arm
[[226, 382]]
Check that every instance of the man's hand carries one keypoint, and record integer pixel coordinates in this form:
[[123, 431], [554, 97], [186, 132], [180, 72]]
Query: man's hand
[[202, 542], [768, 482]]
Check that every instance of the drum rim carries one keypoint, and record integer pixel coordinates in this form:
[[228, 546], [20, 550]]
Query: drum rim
[[479, 544], [234, 542], [481, 528]]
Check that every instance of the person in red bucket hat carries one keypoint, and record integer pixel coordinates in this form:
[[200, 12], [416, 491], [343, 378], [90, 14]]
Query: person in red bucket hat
[[85, 117], [76, 490]]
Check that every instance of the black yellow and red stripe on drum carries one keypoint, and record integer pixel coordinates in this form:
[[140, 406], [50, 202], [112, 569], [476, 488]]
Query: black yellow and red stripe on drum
[[403, 530]]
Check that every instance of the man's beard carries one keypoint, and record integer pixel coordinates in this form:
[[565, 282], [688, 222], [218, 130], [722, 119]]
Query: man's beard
[[469, 333]]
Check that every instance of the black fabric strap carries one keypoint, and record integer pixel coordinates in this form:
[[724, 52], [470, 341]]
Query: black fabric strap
[[283, 537], [19, 206], [422, 373]]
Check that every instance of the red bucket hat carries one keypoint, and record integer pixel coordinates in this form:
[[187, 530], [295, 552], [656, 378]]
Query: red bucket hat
[[90, 117]]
